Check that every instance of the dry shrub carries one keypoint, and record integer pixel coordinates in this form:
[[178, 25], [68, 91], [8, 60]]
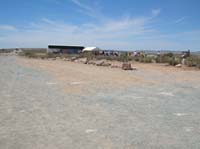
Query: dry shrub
[[193, 61]]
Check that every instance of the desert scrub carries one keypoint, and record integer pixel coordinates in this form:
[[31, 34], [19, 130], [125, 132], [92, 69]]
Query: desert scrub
[[34, 50], [88, 55], [193, 61], [147, 59], [33, 54], [123, 57], [169, 58], [174, 61], [52, 55], [29, 54]]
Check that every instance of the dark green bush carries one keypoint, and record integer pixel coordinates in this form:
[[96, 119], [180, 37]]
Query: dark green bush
[[168, 54]]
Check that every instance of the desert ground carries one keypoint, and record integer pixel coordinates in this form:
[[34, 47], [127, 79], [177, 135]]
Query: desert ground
[[46, 104]]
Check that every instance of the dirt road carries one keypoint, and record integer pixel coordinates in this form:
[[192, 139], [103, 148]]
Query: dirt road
[[55, 104]]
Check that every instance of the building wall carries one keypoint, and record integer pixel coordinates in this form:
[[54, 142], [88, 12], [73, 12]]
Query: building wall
[[70, 51], [64, 51]]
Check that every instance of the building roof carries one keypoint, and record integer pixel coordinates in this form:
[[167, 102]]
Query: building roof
[[91, 49], [64, 47]]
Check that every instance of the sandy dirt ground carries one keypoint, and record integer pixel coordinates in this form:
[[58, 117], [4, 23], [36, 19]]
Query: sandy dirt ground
[[84, 77], [58, 104]]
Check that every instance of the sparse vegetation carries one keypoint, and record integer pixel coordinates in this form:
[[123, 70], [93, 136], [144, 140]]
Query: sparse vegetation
[[170, 58], [193, 61]]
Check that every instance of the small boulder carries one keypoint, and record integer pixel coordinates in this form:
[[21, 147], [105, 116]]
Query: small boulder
[[106, 64], [179, 65], [115, 66], [91, 62], [73, 58], [58, 58], [153, 61], [102, 63], [126, 66], [66, 59], [99, 62], [81, 60]]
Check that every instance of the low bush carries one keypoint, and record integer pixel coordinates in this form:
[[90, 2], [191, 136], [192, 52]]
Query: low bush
[[30, 55], [33, 54], [174, 61], [169, 58], [168, 54], [147, 59], [193, 61]]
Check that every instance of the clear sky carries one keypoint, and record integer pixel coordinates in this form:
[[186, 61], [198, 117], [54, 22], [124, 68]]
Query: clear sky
[[109, 24]]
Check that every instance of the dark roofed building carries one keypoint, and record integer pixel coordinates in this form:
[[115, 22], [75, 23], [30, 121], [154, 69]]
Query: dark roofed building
[[64, 49]]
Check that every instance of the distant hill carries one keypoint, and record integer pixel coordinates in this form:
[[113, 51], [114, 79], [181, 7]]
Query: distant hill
[[196, 53], [6, 50], [39, 50]]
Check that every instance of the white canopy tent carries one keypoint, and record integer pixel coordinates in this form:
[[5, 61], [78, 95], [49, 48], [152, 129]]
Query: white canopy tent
[[91, 49]]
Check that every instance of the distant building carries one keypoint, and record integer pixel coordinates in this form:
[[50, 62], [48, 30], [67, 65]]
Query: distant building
[[64, 49]]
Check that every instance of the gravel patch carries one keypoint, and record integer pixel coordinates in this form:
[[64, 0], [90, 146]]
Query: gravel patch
[[36, 112]]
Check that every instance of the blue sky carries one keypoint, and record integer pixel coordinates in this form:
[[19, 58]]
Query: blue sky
[[119, 24]]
